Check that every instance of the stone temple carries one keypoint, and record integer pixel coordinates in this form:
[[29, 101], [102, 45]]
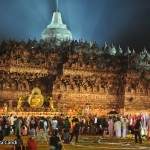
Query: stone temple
[[78, 75]]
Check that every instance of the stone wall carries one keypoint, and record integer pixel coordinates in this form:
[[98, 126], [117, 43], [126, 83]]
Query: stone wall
[[76, 76]]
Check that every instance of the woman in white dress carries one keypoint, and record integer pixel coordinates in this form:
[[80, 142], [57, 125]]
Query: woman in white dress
[[117, 128], [124, 127]]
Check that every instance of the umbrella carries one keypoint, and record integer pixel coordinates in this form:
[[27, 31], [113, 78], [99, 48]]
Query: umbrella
[[113, 112]]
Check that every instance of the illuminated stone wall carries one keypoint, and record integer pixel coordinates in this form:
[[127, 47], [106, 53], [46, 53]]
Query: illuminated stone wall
[[75, 74], [137, 93]]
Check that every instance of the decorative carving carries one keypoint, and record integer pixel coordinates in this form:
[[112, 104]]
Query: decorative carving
[[80, 71]]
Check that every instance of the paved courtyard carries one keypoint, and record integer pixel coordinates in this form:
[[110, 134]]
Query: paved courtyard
[[91, 143]]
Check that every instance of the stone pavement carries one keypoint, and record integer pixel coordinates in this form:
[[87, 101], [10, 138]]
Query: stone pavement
[[90, 143]]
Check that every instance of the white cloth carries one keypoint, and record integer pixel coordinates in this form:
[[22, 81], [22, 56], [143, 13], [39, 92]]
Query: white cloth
[[124, 127], [12, 119], [117, 128], [83, 120], [45, 124], [95, 120], [54, 124]]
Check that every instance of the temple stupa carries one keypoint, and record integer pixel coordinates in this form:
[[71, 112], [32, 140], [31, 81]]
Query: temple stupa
[[56, 30]]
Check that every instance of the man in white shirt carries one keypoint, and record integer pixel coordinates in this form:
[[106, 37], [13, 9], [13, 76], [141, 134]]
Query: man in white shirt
[[54, 123], [11, 120]]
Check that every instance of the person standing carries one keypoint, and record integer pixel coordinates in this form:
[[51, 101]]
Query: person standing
[[75, 131], [19, 145], [41, 130], [18, 124], [1, 131], [60, 124], [148, 130], [32, 123], [67, 124], [82, 125], [54, 123], [4, 124], [111, 127], [124, 127], [11, 121], [95, 121], [117, 128], [46, 127], [137, 131]]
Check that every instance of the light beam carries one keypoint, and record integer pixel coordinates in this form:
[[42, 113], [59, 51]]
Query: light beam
[[56, 5]]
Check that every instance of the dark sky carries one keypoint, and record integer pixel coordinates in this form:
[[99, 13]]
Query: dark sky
[[124, 22]]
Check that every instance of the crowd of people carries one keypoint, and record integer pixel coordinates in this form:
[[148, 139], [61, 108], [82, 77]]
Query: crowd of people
[[57, 129], [137, 125]]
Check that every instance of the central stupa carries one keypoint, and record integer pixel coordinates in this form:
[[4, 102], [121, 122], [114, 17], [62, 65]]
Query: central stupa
[[56, 30]]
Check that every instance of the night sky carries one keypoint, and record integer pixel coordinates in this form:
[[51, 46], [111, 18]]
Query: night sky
[[124, 22]]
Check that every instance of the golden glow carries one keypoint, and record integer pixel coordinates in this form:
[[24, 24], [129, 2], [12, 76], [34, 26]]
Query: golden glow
[[36, 99]]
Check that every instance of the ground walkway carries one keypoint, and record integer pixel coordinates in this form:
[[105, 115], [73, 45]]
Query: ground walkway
[[91, 143]]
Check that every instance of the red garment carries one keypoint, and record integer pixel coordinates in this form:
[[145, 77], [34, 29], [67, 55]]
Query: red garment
[[32, 144], [24, 132]]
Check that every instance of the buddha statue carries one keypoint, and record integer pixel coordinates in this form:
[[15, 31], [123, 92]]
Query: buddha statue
[[36, 99]]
